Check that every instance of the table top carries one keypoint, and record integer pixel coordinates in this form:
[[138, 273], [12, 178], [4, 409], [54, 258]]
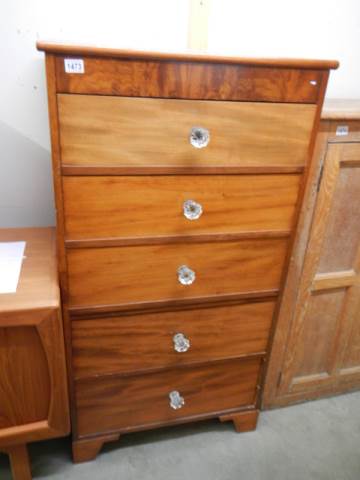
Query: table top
[[38, 286], [341, 109]]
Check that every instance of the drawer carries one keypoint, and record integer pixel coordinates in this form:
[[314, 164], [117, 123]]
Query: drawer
[[121, 275], [200, 78], [140, 206], [120, 131], [153, 340], [123, 403]]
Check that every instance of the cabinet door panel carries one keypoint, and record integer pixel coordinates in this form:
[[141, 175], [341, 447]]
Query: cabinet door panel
[[33, 390], [24, 381], [341, 238], [323, 349]]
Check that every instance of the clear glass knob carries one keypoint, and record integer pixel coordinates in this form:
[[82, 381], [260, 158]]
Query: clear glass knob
[[199, 137], [176, 400], [186, 276], [192, 210], [181, 343]]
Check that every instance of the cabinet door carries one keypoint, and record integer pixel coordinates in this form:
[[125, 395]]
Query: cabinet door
[[322, 354], [33, 390]]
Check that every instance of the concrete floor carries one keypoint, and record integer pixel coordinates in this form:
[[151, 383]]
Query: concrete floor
[[316, 440]]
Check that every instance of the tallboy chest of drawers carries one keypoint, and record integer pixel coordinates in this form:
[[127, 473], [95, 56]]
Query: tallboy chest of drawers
[[178, 183]]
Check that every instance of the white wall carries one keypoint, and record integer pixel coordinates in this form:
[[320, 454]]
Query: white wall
[[314, 29]]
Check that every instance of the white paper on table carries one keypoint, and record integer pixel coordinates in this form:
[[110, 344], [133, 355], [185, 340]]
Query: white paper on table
[[11, 257]]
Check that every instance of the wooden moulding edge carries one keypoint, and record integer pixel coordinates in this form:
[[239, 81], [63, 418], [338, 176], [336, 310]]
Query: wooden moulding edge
[[67, 49], [170, 305], [166, 239], [129, 170]]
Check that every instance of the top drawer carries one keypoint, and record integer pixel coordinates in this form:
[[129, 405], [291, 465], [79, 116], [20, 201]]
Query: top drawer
[[128, 132], [194, 80]]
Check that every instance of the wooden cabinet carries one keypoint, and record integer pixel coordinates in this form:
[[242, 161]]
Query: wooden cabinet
[[321, 354], [33, 385], [178, 182]]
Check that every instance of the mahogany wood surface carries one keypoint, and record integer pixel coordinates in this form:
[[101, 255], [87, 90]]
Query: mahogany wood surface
[[19, 462], [25, 399], [38, 286], [243, 421], [120, 403], [61, 256], [138, 343], [121, 275], [32, 364], [34, 398], [93, 311], [72, 170], [190, 80], [70, 49], [176, 238], [118, 131], [153, 205], [87, 449]]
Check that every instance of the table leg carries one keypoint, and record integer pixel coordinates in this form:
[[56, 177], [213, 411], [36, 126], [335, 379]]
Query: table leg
[[19, 461]]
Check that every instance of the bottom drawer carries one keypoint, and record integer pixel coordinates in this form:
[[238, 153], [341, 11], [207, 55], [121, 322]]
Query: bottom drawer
[[124, 403]]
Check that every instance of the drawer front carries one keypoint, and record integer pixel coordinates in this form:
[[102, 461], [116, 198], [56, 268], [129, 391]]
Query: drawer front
[[119, 131], [141, 342], [167, 78], [116, 403], [120, 275], [138, 206]]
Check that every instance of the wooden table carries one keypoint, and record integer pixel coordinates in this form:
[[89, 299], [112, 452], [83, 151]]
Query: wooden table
[[33, 386]]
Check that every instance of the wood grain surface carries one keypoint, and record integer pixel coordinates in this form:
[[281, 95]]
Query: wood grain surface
[[119, 404], [25, 397], [38, 285], [71, 49], [139, 343], [191, 80], [327, 306], [34, 397], [243, 421], [88, 448], [117, 131], [19, 462], [153, 205], [99, 131], [121, 275]]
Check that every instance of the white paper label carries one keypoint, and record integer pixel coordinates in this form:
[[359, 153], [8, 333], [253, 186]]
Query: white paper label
[[11, 258], [74, 65], [342, 130]]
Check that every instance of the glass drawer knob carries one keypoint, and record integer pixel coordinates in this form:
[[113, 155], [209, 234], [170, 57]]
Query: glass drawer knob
[[199, 137], [192, 210], [176, 400], [186, 276], [181, 343]]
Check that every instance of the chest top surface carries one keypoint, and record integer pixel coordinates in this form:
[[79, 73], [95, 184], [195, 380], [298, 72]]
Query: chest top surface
[[341, 108], [108, 71], [38, 284]]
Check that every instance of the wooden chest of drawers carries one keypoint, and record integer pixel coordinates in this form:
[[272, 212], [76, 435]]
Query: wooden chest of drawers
[[178, 182]]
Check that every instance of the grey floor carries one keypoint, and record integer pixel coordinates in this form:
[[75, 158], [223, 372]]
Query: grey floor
[[316, 440]]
